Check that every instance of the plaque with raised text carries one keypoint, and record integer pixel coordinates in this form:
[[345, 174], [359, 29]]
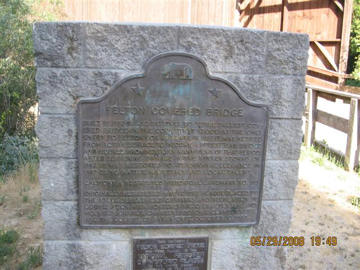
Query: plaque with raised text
[[172, 147], [170, 253]]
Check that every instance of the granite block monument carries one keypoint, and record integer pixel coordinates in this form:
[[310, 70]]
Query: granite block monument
[[167, 146]]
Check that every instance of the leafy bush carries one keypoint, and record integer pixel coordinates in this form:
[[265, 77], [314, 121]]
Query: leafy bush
[[17, 71], [352, 82], [354, 54], [16, 151]]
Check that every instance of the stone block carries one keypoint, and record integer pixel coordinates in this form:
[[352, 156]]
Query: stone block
[[58, 44], [58, 179], [60, 220], [287, 53], [61, 223], [281, 177], [283, 94], [275, 218], [240, 255], [57, 136], [67, 255], [59, 90], [284, 139], [126, 47], [226, 49]]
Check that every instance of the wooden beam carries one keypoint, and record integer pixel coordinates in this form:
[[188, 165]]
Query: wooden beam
[[352, 135], [284, 26], [333, 92], [325, 71], [339, 5], [244, 4], [345, 37], [333, 121], [326, 40], [310, 115], [313, 80], [327, 96], [327, 55]]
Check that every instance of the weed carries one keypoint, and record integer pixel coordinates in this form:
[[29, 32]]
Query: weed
[[16, 151], [33, 167], [320, 154], [35, 211], [2, 199], [7, 244], [25, 198], [319, 161], [24, 189], [9, 237], [355, 201], [33, 259]]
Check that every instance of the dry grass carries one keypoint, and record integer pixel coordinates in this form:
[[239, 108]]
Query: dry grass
[[20, 208]]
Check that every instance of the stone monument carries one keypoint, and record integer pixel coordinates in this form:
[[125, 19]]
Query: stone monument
[[167, 146]]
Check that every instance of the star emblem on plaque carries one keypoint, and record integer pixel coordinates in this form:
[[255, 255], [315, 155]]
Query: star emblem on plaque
[[138, 89], [214, 92]]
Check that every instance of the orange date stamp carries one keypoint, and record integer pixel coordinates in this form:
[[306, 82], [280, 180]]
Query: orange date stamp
[[298, 241]]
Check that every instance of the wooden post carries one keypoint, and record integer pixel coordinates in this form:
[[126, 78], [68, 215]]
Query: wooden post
[[284, 24], [310, 113], [345, 38], [352, 136]]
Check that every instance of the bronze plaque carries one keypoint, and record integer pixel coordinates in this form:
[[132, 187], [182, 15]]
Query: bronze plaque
[[170, 254], [173, 147]]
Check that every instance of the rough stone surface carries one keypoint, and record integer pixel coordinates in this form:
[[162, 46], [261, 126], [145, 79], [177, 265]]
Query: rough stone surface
[[58, 44], [280, 179], [58, 179], [231, 49], [66, 255], [240, 255], [61, 223], [283, 94], [83, 60], [57, 136], [287, 53], [126, 46], [60, 220], [284, 139], [59, 90], [228, 254], [275, 218]]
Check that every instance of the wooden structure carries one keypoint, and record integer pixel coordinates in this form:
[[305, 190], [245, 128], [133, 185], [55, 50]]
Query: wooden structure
[[349, 126], [210, 12], [326, 21]]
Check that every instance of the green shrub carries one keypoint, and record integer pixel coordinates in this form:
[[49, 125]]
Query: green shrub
[[17, 71], [352, 82], [354, 54], [16, 151]]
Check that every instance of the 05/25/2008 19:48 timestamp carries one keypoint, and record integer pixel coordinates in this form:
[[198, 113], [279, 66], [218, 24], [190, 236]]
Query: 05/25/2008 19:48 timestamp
[[298, 241]]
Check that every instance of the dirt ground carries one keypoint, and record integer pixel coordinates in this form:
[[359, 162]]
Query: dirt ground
[[322, 207], [20, 210]]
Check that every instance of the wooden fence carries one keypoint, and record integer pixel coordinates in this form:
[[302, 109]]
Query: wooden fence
[[349, 126]]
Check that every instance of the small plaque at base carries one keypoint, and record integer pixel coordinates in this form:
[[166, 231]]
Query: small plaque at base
[[170, 253]]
